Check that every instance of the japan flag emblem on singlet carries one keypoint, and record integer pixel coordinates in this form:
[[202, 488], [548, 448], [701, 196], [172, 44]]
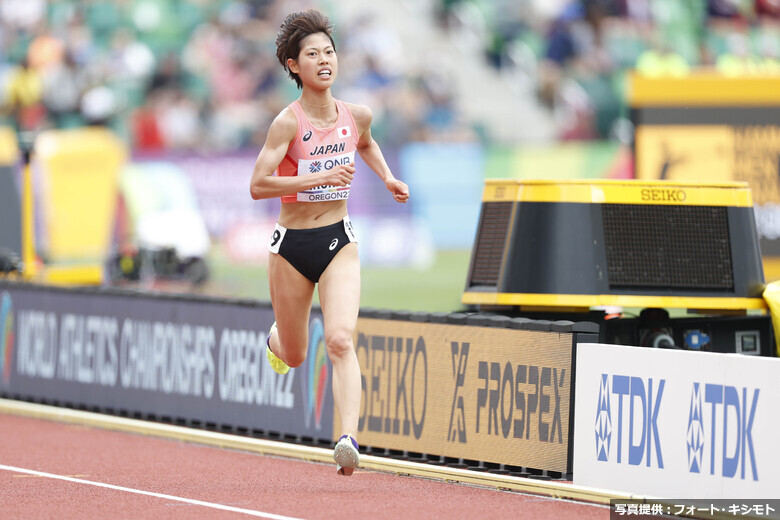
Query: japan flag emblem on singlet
[[343, 132]]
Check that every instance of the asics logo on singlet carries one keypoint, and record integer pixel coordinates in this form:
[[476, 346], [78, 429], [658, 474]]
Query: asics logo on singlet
[[307, 136], [334, 244], [329, 148]]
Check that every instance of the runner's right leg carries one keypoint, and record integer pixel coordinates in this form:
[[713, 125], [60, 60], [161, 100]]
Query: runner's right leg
[[291, 298]]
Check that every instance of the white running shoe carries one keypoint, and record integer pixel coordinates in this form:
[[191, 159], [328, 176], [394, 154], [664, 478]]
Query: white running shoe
[[346, 455]]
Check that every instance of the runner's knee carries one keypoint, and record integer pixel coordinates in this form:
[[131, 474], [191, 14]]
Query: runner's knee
[[339, 342], [294, 352], [295, 358]]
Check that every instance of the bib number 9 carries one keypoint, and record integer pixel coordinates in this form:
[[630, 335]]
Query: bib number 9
[[276, 239]]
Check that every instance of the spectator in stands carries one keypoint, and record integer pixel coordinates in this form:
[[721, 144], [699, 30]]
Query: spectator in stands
[[99, 105], [636, 10], [168, 74], [24, 97], [575, 76], [660, 60], [179, 120], [769, 8], [23, 14], [440, 113], [45, 50], [739, 60], [133, 62], [574, 44], [727, 8], [63, 85], [768, 52], [147, 136]]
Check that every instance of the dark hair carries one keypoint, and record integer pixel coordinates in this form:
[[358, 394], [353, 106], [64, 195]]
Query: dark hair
[[295, 28]]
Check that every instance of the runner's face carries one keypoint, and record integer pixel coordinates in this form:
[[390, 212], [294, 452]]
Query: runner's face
[[317, 64]]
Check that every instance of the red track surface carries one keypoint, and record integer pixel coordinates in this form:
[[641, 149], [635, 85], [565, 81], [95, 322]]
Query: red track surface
[[245, 481]]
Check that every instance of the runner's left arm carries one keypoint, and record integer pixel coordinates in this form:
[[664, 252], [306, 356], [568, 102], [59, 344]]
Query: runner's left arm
[[372, 155]]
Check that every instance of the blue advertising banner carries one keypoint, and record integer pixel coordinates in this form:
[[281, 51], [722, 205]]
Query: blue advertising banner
[[165, 356]]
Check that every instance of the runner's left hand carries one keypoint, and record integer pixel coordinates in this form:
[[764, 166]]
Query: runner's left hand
[[399, 190]]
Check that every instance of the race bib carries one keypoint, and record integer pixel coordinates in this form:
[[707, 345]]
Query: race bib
[[325, 192], [276, 238]]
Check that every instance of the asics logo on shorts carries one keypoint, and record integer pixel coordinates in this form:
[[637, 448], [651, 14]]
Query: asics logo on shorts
[[334, 244]]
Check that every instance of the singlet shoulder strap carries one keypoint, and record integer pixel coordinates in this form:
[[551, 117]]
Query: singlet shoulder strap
[[297, 109], [299, 114], [344, 109]]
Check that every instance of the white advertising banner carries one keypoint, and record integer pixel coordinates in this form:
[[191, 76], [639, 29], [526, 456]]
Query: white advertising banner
[[676, 424]]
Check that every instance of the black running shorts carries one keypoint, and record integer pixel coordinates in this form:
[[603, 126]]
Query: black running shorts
[[310, 251]]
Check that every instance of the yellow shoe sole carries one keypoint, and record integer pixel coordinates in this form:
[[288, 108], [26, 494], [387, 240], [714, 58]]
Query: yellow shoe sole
[[279, 366]]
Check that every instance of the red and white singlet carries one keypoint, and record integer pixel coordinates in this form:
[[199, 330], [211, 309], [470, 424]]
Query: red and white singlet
[[315, 150]]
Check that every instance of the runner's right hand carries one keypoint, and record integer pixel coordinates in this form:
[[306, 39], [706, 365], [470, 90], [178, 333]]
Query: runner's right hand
[[340, 175]]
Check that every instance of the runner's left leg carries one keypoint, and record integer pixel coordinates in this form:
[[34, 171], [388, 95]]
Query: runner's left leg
[[339, 291]]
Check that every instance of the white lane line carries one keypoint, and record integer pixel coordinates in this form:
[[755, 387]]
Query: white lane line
[[212, 505]]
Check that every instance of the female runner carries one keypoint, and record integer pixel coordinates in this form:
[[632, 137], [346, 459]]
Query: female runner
[[309, 161]]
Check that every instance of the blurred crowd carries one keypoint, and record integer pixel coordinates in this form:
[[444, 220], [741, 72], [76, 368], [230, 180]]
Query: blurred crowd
[[577, 52], [172, 75]]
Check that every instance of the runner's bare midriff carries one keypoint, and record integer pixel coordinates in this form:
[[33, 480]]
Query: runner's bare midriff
[[307, 215]]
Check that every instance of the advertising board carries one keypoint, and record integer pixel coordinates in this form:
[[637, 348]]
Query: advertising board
[[479, 393], [159, 356], [676, 424]]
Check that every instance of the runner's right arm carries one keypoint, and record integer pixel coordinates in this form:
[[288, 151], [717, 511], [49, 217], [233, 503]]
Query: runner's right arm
[[265, 185]]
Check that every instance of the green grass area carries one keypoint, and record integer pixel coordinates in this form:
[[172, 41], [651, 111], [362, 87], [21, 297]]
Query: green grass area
[[438, 288]]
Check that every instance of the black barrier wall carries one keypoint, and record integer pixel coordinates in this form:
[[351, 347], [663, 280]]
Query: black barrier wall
[[196, 361], [451, 388], [10, 213]]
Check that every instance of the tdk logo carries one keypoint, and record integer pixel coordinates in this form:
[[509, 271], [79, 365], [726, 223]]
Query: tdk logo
[[603, 420], [695, 434], [638, 402], [728, 438]]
